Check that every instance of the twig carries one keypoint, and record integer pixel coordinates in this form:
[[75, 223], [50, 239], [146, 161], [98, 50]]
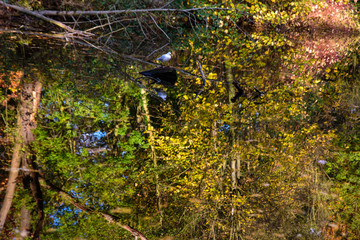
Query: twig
[[75, 21], [110, 27], [157, 50], [140, 26], [100, 21], [105, 24], [160, 28], [112, 32]]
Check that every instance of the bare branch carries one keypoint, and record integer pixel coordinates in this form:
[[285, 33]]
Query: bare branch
[[138, 20], [159, 27], [105, 24], [190, 15], [107, 17]]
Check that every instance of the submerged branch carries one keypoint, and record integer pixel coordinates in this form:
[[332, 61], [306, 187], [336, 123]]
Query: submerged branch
[[76, 13]]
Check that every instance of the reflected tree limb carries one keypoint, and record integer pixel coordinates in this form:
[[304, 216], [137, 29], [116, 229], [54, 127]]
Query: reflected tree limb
[[203, 78], [109, 217], [76, 13]]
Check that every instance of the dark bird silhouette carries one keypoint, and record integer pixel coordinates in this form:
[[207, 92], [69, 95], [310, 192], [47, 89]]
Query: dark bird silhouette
[[239, 93], [165, 76]]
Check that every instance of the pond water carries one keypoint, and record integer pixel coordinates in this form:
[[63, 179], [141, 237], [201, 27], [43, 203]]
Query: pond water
[[249, 131]]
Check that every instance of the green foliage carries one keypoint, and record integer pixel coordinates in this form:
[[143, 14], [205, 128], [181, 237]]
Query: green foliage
[[344, 167]]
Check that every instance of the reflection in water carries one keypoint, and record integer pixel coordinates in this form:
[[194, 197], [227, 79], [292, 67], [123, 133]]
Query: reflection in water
[[257, 103]]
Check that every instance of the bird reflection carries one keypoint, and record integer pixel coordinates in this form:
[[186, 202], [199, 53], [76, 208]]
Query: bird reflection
[[161, 93], [239, 93]]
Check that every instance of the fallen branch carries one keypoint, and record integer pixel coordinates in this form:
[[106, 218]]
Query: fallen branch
[[52, 21]]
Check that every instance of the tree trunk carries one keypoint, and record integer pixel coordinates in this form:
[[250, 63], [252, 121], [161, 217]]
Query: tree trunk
[[31, 182], [13, 174], [14, 170], [28, 105], [25, 222], [234, 155], [153, 153], [230, 79]]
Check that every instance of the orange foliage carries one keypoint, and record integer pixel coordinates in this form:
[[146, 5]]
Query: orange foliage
[[13, 84], [327, 26]]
